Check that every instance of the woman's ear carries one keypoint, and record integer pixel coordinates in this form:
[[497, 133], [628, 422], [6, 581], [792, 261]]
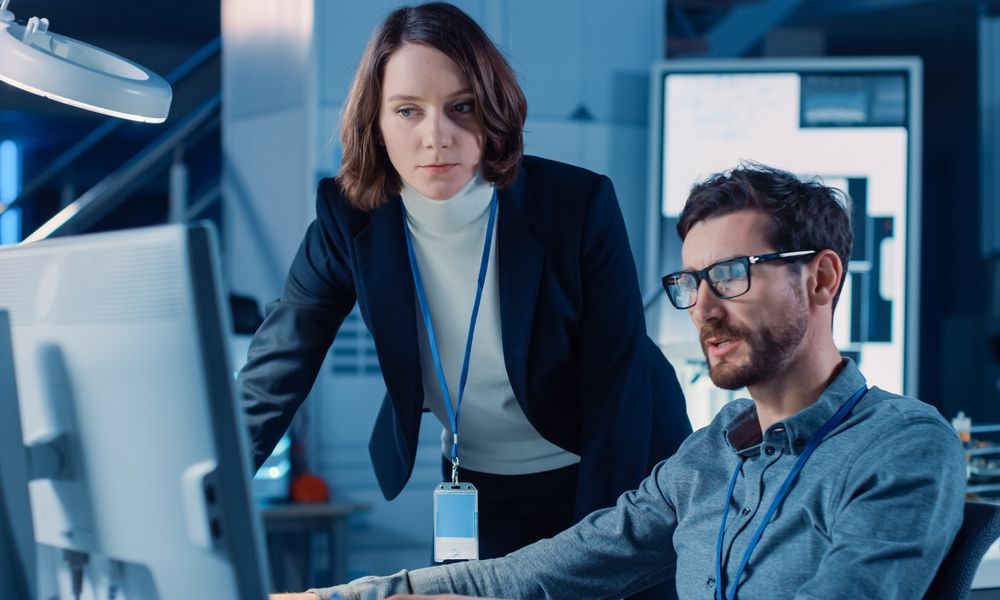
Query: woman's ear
[[827, 271]]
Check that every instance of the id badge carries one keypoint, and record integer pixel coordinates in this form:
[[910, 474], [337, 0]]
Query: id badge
[[456, 522]]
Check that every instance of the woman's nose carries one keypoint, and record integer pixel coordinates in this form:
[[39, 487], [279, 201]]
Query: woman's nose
[[438, 131]]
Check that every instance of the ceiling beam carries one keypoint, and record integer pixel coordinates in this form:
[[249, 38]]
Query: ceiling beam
[[744, 26]]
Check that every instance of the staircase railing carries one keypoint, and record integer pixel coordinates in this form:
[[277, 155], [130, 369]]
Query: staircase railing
[[98, 200], [113, 191]]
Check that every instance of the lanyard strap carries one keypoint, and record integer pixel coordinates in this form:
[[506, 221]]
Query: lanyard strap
[[453, 414], [814, 441]]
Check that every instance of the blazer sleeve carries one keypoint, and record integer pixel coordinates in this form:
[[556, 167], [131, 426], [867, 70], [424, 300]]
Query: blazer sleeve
[[619, 418], [289, 347]]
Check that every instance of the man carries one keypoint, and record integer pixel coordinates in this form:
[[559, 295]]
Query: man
[[754, 502]]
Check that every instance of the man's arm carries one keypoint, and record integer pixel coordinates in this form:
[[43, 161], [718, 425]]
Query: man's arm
[[900, 509], [611, 553], [439, 597]]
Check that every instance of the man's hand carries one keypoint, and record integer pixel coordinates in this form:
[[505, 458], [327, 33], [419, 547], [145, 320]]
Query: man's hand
[[442, 597]]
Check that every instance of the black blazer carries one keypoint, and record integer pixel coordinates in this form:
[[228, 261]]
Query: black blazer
[[573, 332]]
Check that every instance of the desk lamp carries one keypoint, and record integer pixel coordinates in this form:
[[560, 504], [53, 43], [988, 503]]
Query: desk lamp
[[39, 61]]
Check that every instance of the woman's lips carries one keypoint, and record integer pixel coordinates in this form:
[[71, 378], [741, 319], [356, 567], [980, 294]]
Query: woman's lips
[[439, 169]]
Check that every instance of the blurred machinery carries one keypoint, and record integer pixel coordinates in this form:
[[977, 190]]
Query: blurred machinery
[[983, 468]]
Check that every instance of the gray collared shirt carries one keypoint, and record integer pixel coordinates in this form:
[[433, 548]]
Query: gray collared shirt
[[871, 515]]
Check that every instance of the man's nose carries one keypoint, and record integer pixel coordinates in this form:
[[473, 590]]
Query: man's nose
[[708, 306]]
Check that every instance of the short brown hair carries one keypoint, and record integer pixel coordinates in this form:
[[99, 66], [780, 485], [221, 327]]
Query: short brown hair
[[805, 215], [366, 175]]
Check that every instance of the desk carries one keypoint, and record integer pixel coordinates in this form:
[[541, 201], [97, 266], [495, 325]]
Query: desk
[[286, 524]]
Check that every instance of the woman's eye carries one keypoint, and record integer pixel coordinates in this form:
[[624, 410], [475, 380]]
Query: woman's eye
[[406, 113], [463, 107]]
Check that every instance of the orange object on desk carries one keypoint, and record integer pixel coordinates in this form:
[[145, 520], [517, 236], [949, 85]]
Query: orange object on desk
[[309, 488]]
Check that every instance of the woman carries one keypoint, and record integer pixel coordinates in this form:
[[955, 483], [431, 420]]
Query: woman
[[487, 277]]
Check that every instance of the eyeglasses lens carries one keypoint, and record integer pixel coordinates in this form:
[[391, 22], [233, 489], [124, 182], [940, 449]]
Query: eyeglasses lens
[[682, 289], [729, 278]]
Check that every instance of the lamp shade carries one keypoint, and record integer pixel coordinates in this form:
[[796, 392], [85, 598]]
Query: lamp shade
[[75, 73]]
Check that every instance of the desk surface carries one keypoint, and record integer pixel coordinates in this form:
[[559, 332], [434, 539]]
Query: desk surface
[[318, 510], [284, 520]]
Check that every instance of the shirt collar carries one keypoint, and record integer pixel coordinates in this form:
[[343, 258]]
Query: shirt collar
[[467, 209], [743, 433]]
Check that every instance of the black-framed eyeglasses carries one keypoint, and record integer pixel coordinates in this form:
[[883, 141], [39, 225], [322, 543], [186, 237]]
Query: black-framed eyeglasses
[[727, 278]]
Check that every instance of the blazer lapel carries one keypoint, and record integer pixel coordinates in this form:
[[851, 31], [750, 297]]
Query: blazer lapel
[[388, 293], [520, 254]]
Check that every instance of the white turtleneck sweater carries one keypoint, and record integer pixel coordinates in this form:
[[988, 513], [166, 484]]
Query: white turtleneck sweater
[[448, 238]]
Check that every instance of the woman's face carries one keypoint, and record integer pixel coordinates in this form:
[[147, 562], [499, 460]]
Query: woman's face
[[428, 122]]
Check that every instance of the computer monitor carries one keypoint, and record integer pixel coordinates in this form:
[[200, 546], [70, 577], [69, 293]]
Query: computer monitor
[[120, 353], [852, 122], [17, 546]]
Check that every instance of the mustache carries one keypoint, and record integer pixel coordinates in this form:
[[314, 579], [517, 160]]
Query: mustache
[[722, 330]]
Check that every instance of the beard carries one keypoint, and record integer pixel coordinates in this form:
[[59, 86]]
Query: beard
[[768, 349]]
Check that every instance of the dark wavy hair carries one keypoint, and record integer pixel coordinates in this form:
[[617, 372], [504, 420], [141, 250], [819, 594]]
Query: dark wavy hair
[[366, 175], [805, 214]]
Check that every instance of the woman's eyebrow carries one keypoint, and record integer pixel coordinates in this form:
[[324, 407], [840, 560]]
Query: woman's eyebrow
[[409, 98], [404, 97]]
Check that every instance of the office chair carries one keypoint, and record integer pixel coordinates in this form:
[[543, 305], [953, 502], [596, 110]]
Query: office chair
[[980, 528]]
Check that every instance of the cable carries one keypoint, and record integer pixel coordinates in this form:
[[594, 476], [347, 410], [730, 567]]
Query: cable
[[116, 579], [75, 561]]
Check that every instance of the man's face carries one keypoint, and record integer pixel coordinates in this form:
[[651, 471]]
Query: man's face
[[752, 338]]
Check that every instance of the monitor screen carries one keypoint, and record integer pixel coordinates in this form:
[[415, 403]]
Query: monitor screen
[[852, 123], [120, 353]]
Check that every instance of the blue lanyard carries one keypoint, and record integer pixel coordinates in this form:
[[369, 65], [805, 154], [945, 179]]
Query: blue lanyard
[[453, 414], [814, 441]]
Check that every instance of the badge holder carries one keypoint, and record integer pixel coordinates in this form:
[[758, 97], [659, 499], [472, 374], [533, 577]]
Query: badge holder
[[456, 521], [456, 505]]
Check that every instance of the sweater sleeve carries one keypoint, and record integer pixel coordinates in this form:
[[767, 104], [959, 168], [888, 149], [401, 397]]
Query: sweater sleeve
[[610, 554], [918, 469]]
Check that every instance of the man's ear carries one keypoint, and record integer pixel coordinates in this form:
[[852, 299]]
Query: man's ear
[[826, 273]]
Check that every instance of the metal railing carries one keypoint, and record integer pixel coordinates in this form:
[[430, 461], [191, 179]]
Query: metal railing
[[112, 191], [99, 198]]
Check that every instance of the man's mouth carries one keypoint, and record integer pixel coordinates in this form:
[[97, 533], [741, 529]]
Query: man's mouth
[[721, 346]]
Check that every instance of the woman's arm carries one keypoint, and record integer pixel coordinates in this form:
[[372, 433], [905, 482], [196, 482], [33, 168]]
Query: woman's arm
[[289, 347], [627, 424]]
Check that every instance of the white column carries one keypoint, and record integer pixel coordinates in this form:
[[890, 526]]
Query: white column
[[268, 129]]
